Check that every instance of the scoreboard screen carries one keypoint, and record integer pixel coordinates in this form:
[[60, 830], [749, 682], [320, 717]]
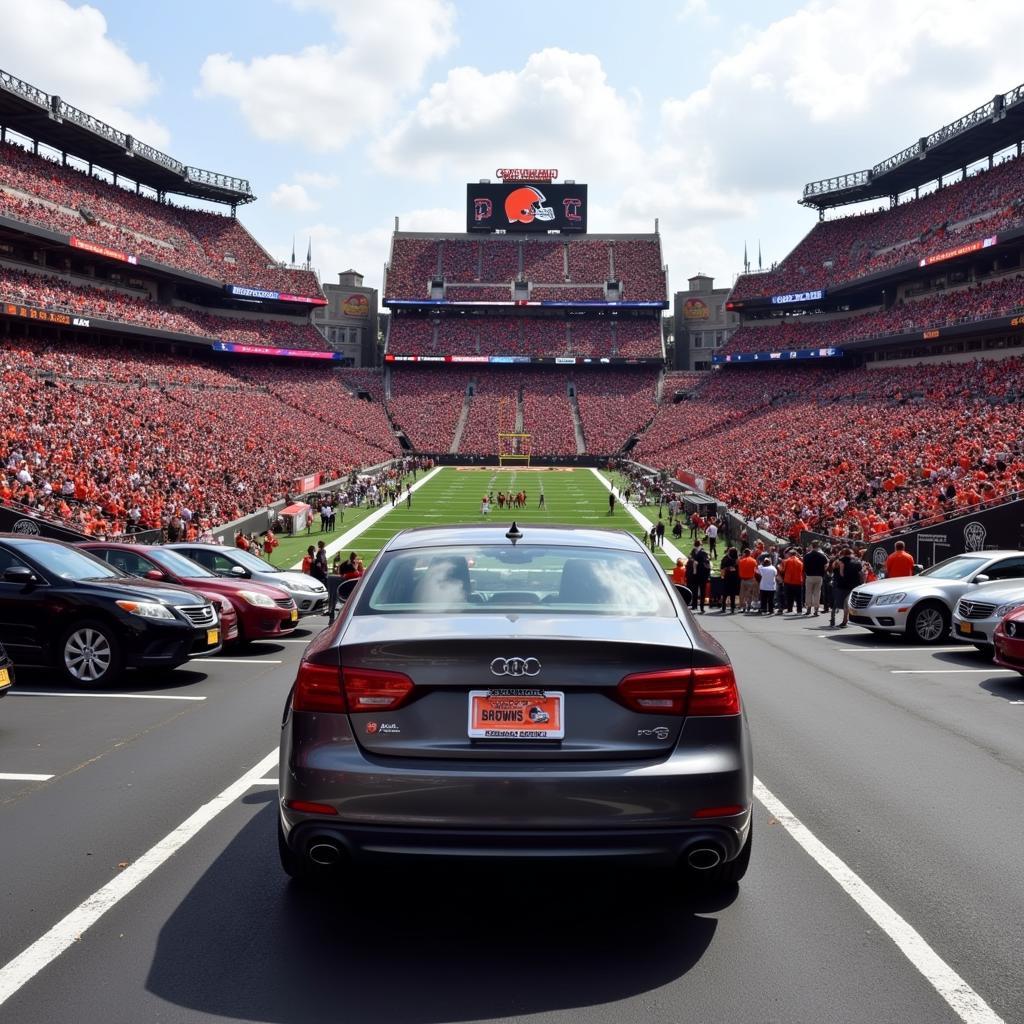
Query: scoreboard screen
[[519, 206]]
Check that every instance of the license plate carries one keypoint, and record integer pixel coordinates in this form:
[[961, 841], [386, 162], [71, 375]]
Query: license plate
[[295, 615], [516, 714], [966, 627], [5, 678], [213, 636]]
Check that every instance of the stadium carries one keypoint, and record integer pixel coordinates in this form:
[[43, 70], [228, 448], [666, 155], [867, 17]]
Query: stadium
[[156, 358]]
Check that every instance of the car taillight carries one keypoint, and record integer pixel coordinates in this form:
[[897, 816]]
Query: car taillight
[[656, 692], [708, 690], [714, 691], [368, 689], [318, 688]]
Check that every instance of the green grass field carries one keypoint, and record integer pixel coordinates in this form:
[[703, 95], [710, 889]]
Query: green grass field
[[574, 497]]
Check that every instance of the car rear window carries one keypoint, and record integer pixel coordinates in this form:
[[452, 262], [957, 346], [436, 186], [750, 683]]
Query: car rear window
[[524, 579]]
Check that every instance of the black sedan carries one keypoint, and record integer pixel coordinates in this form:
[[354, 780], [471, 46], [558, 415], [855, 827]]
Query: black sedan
[[6, 672], [537, 693], [61, 606]]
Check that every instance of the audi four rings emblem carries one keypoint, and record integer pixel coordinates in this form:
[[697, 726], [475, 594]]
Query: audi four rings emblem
[[515, 666]]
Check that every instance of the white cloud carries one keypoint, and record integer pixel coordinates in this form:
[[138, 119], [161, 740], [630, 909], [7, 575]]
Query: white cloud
[[836, 87], [698, 10], [325, 95], [314, 179], [292, 197], [558, 110], [66, 51]]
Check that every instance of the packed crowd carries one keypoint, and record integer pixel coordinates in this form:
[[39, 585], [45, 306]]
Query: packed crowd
[[426, 402], [978, 302], [850, 453], [66, 199], [111, 440], [483, 269], [54, 293], [613, 405], [840, 250]]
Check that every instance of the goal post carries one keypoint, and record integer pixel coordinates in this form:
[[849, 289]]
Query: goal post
[[513, 449]]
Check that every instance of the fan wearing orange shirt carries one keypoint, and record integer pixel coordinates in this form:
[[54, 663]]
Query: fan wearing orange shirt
[[793, 582], [900, 562], [747, 567]]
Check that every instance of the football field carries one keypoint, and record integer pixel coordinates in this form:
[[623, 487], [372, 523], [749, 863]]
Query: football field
[[574, 497]]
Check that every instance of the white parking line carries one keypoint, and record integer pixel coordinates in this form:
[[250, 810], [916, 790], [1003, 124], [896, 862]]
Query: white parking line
[[248, 661], [951, 671], [962, 649], [265, 782], [24, 777], [963, 1000], [27, 964], [94, 693]]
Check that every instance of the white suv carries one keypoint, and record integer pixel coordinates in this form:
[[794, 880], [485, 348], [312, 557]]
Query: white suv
[[922, 606]]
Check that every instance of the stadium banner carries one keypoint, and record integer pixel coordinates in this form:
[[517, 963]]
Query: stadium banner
[[549, 303], [265, 350], [266, 295], [46, 316], [719, 359], [305, 484], [101, 250], [987, 529], [534, 360], [787, 300], [27, 523], [959, 250], [516, 207]]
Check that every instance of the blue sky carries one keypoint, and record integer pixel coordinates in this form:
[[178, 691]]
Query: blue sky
[[708, 115]]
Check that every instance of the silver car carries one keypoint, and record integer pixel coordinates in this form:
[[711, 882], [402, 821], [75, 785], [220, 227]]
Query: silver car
[[922, 606], [309, 594], [535, 694], [977, 613]]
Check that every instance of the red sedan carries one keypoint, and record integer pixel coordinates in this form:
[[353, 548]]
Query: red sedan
[[1009, 641], [264, 612]]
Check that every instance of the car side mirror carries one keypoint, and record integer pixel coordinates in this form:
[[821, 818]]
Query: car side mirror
[[238, 570], [19, 574], [346, 587], [155, 574], [685, 594], [918, 568], [981, 578]]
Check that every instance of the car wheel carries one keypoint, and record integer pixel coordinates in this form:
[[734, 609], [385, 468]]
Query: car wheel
[[928, 623], [89, 654]]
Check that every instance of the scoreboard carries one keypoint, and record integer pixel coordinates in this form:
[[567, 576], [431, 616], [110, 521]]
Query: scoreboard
[[519, 206]]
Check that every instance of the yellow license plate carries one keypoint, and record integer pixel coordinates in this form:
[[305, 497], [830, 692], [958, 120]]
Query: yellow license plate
[[213, 636], [295, 615], [5, 677], [966, 627]]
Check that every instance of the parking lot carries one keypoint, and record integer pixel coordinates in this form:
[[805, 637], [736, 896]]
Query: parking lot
[[142, 879]]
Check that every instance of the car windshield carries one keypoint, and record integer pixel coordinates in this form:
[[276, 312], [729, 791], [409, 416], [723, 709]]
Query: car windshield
[[174, 561], [533, 578], [956, 568], [251, 562], [68, 563]]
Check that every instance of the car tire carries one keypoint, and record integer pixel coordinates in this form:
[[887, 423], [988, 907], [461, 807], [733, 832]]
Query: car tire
[[89, 654], [928, 623], [729, 872]]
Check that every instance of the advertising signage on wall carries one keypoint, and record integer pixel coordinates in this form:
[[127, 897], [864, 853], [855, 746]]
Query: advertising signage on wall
[[265, 350], [785, 300], [517, 207], [536, 360], [768, 357], [102, 250], [45, 316], [960, 250], [243, 292]]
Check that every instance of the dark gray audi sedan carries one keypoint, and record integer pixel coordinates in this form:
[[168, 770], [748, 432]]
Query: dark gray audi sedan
[[522, 694]]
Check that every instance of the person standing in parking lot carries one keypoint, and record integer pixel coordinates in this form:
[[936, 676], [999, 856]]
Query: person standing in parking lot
[[846, 574], [815, 566], [900, 562], [766, 586]]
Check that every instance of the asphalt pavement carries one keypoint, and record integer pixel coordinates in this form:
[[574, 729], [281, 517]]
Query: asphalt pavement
[[141, 882]]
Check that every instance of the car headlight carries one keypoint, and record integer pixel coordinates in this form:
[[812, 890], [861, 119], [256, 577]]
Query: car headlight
[[889, 598], [256, 598], [146, 609], [1010, 606]]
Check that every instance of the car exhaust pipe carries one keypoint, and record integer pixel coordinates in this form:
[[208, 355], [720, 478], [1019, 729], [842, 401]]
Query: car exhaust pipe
[[325, 855], [704, 858]]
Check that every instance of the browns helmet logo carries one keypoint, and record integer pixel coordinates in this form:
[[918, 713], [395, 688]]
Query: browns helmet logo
[[525, 205]]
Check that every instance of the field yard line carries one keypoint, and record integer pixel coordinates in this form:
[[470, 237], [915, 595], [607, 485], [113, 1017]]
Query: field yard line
[[372, 519], [667, 546]]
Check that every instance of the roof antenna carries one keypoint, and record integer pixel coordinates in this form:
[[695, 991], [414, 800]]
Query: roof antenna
[[514, 534]]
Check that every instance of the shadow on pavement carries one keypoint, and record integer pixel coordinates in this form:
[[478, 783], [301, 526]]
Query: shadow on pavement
[[418, 947], [133, 680], [1010, 688]]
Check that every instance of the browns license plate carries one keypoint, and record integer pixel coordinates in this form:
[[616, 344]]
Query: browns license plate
[[516, 714]]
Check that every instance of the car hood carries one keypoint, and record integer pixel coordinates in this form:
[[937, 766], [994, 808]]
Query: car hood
[[221, 585], [289, 579], [997, 591], [152, 590], [909, 585]]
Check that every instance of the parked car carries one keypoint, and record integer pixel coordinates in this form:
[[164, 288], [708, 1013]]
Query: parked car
[[260, 611], [309, 594], [6, 672], [62, 606], [541, 693], [1008, 640], [921, 606], [978, 612]]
